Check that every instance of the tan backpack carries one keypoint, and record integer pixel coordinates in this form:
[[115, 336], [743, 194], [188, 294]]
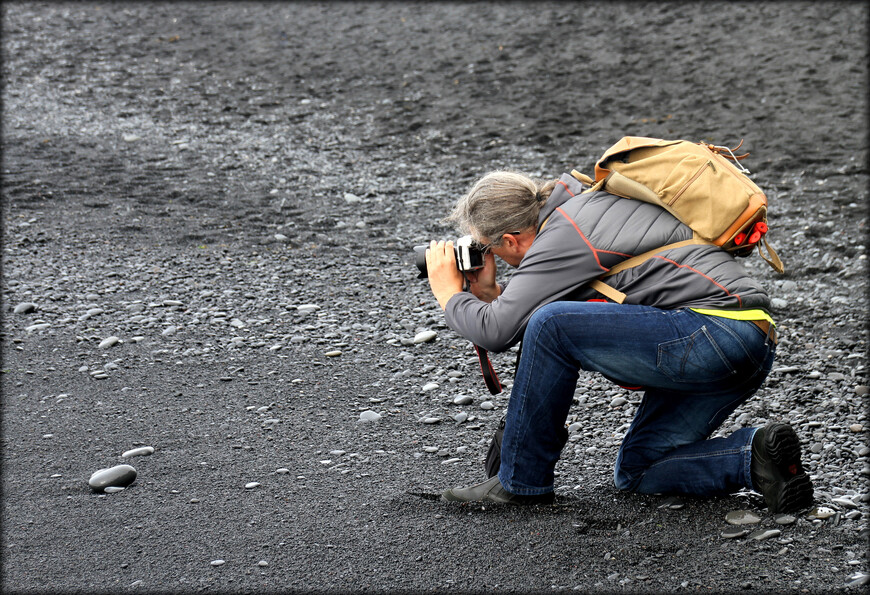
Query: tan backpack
[[695, 182]]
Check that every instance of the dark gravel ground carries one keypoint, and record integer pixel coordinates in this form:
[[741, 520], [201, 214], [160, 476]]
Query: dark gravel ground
[[187, 177]]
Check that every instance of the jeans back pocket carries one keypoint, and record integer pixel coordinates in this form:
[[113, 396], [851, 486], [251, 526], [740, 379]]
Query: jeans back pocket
[[694, 359]]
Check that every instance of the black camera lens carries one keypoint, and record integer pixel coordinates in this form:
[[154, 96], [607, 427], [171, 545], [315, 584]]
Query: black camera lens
[[420, 260]]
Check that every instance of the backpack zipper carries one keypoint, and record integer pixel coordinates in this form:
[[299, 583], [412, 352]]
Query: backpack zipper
[[690, 182]]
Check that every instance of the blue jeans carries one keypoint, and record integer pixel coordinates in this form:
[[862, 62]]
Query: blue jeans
[[695, 370]]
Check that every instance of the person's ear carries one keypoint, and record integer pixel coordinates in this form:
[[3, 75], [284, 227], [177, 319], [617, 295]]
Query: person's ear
[[509, 241]]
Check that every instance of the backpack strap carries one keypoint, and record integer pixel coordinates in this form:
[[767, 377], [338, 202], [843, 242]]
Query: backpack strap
[[618, 296], [774, 260], [583, 178]]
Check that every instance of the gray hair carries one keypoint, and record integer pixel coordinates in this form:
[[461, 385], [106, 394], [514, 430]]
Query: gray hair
[[501, 202]]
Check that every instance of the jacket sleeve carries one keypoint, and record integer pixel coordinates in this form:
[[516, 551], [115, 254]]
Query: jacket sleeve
[[558, 261]]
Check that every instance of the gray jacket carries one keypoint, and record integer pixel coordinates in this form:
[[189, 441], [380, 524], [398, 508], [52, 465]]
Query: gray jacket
[[585, 235]]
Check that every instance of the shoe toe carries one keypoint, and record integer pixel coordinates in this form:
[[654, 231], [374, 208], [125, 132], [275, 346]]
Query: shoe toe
[[449, 496]]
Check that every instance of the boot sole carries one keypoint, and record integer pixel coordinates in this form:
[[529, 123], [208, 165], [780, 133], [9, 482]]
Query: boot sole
[[795, 491]]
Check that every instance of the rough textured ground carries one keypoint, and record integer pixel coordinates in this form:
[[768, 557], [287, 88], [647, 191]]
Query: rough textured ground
[[188, 178]]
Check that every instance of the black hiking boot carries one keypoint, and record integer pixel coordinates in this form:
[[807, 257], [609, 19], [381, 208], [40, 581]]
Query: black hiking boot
[[491, 490], [777, 471]]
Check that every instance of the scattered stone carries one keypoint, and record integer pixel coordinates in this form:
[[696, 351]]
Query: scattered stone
[[742, 517], [262, 563], [109, 342], [218, 562], [334, 353], [783, 519], [307, 308], [460, 417], [112, 489], [487, 405], [734, 532], [251, 485], [25, 308], [142, 451], [169, 331], [462, 400], [118, 476], [369, 415], [430, 420], [856, 428], [859, 579], [429, 386], [844, 502], [618, 402], [425, 336], [672, 503], [820, 512], [763, 534]]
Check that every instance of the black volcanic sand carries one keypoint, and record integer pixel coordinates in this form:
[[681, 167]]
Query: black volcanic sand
[[185, 176]]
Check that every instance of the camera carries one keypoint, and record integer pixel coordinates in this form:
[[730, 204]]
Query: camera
[[469, 256]]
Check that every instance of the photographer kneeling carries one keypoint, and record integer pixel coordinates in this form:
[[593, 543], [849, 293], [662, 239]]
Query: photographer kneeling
[[694, 333]]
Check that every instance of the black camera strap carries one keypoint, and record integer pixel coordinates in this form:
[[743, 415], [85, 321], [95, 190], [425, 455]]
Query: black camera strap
[[486, 368], [489, 375]]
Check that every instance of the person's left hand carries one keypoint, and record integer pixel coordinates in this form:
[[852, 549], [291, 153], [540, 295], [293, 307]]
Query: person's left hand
[[445, 279], [482, 281]]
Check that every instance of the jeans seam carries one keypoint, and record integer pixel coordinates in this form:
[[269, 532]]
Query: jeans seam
[[736, 337], [747, 466], [688, 342], [707, 455]]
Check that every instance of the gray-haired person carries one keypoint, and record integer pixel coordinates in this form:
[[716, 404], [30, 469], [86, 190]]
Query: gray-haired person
[[694, 332]]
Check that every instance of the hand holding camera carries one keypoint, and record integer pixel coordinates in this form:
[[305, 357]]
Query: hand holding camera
[[445, 278], [470, 262]]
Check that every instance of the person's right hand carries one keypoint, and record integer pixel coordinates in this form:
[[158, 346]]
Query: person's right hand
[[482, 281]]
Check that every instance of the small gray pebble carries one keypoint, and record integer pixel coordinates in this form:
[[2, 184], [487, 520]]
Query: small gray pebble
[[24, 308], [783, 519], [109, 342], [742, 517], [763, 534], [734, 532], [425, 336], [118, 476], [142, 451]]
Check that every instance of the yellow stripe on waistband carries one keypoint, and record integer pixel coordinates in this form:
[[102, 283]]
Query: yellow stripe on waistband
[[736, 314]]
